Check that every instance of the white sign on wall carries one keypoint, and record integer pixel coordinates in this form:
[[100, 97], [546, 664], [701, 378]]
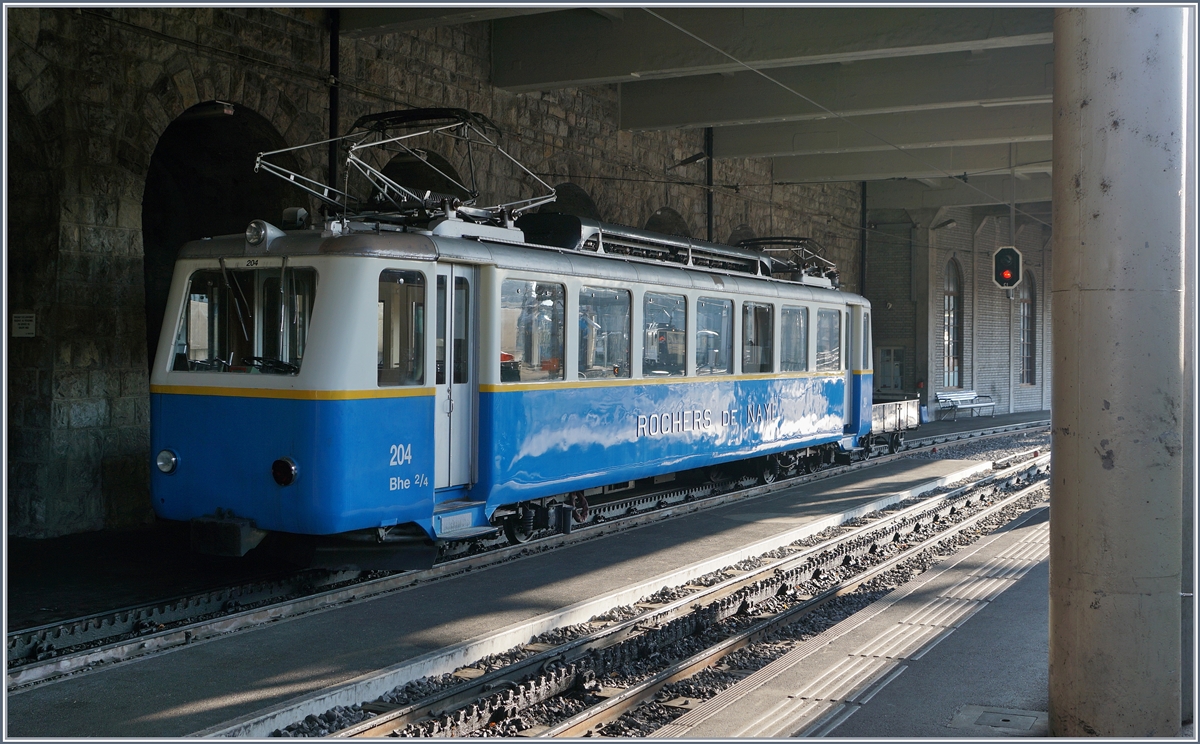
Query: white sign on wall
[[24, 325]]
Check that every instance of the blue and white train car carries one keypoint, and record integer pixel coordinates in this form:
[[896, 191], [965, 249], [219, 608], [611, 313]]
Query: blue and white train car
[[404, 386]]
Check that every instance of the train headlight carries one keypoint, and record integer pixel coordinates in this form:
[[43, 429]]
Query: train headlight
[[284, 471], [256, 233], [166, 461]]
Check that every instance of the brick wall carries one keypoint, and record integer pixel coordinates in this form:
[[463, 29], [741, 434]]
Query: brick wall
[[991, 322], [91, 92], [990, 342]]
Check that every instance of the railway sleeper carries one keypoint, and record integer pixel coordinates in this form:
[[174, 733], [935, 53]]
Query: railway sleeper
[[498, 706]]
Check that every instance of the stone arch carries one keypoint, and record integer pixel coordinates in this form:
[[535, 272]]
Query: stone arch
[[740, 233], [186, 83], [201, 182], [421, 174], [668, 222], [572, 199]]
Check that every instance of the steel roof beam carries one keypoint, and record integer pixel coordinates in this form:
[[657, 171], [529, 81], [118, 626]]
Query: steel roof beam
[[578, 47], [960, 79], [935, 162]]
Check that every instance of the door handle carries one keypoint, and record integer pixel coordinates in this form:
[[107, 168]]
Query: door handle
[[449, 407]]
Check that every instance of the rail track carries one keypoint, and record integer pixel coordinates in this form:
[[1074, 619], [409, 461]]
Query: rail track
[[697, 630], [53, 650]]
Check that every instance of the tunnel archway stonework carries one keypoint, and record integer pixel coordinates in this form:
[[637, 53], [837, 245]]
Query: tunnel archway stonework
[[103, 85], [87, 467]]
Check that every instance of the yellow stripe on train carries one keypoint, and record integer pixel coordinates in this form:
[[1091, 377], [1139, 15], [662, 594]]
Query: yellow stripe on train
[[234, 392]]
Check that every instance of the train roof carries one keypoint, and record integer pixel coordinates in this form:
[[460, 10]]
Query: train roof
[[580, 251]]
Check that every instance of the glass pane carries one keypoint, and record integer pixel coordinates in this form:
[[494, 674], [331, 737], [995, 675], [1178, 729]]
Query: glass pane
[[866, 349], [664, 344], [714, 336], [829, 334], [401, 332], [439, 350], [793, 352], [758, 334], [531, 331], [604, 316], [462, 318], [245, 320]]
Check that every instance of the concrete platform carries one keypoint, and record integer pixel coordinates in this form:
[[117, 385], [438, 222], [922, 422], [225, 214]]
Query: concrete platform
[[209, 683], [961, 651]]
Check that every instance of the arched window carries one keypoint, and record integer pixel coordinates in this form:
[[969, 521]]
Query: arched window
[[1028, 298], [952, 327]]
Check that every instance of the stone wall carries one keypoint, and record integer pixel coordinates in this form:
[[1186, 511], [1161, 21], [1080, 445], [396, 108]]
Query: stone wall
[[93, 90]]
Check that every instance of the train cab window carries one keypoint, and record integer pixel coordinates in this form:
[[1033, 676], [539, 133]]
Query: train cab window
[[604, 332], [829, 334], [401, 329], [664, 335], [531, 330], [793, 342], [758, 338], [714, 336], [246, 320]]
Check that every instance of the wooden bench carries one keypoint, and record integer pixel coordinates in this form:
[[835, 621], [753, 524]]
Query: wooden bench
[[952, 403]]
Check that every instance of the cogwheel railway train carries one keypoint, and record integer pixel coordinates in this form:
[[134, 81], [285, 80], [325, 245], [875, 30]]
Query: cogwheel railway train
[[441, 372]]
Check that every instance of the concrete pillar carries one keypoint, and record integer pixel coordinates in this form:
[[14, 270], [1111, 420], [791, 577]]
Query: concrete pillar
[[1118, 385], [1188, 610]]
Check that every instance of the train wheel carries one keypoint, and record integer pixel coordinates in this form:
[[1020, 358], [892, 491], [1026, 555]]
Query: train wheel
[[519, 527], [895, 441], [768, 470]]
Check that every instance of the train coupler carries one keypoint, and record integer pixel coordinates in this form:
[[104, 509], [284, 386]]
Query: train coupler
[[225, 535]]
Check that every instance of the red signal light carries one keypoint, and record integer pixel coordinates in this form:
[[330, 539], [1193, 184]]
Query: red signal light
[[1006, 274]]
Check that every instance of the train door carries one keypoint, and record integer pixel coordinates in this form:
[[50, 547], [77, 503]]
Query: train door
[[456, 375]]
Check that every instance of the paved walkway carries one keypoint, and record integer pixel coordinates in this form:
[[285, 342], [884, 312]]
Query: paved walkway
[[208, 683]]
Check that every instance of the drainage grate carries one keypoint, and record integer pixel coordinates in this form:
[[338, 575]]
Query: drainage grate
[[983, 720], [1006, 720]]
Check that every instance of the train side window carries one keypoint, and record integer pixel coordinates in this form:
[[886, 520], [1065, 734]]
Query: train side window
[[793, 352], [847, 347], [664, 335], [240, 320], [866, 350], [401, 331], [531, 330], [604, 332], [829, 334], [758, 334], [714, 336]]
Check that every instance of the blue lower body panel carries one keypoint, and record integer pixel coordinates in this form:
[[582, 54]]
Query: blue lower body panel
[[861, 395], [536, 443], [362, 463]]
